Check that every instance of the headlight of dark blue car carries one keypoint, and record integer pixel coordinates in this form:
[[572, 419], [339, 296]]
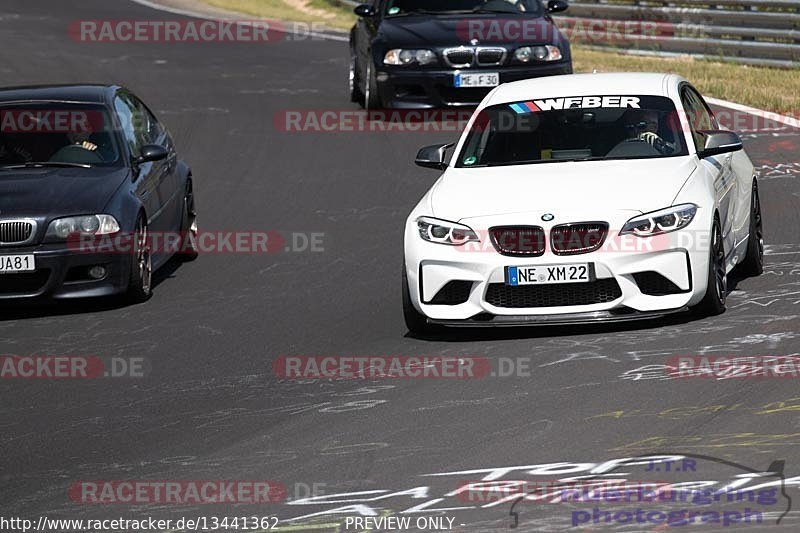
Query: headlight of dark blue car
[[61, 228], [402, 56], [526, 54]]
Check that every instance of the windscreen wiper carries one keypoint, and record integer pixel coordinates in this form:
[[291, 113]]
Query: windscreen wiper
[[496, 10], [414, 12], [43, 164]]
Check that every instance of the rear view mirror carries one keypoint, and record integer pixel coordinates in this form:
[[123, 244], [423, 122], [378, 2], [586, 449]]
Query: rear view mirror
[[719, 142], [556, 6], [152, 152], [364, 10], [433, 156]]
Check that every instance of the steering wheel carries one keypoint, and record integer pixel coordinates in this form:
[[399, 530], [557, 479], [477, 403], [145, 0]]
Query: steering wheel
[[75, 153], [621, 147]]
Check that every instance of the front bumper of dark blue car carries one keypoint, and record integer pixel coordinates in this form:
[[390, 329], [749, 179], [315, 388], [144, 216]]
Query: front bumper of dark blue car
[[423, 89], [63, 273]]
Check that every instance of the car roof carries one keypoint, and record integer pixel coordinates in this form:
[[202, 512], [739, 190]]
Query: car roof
[[618, 83], [95, 94]]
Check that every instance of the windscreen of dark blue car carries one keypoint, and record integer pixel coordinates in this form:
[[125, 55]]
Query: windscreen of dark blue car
[[579, 128], [402, 7], [57, 133]]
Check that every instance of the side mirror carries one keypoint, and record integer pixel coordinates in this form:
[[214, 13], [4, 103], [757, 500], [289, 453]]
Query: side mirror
[[151, 152], [365, 10], [719, 142], [433, 156], [557, 6]]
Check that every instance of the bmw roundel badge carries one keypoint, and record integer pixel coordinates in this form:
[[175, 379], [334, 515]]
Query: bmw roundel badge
[[547, 217]]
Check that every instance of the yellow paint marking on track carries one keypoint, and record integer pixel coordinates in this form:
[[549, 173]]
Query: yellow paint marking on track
[[719, 440]]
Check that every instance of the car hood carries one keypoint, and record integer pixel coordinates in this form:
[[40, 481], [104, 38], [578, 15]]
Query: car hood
[[57, 191], [432, 31], [630, 185]]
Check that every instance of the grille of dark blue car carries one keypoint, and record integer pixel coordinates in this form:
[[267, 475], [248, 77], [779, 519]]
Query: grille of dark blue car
[[459, 56], [490, 56], [15, 231]]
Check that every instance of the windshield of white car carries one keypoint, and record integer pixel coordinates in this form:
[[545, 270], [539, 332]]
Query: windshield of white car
[[456, 7], [56, 134], [585, 128]]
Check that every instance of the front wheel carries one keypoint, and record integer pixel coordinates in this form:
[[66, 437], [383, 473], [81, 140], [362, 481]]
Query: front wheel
[[355, 91], [372, 99], [713, 303], [141, 276], [189, 249]]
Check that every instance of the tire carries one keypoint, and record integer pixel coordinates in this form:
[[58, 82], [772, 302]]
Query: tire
[[140, 283], [753, 262], [372, 99], [355, 91], [188, 250], [713, 302], [416, 322]]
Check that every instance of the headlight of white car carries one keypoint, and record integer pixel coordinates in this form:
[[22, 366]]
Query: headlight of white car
[[661, 221], [61, 228], [445, 232]]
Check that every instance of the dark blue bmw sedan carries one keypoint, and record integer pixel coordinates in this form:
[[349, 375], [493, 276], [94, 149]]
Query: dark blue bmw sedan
[[82, 165]]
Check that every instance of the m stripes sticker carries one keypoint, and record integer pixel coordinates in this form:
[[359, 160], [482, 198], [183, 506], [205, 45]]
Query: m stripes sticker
[[525, 107]]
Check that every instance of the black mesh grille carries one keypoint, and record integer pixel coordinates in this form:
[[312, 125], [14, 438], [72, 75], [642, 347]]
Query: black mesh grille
[[490, 56], [581, 238], [654, 284], [453, 293], [460, 57], [23, 283], [518, 241], [555, 295]]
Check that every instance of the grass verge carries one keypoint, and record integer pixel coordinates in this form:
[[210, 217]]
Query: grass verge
[[330, 13], [772, 89]]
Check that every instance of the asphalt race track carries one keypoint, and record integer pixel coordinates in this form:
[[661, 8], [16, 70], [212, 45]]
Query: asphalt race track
[[210, 406]]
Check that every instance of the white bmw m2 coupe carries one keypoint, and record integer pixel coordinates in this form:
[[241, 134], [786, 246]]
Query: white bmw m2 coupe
[[582, 198]]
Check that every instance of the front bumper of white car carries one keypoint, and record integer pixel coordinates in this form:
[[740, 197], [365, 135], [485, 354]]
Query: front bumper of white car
[[631, 277]]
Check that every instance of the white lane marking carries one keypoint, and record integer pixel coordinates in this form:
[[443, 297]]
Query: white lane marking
[[189, 13], [783, 119]]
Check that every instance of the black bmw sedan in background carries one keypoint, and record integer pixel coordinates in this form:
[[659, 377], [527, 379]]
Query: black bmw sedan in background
[[88, 176], [446, 53]]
